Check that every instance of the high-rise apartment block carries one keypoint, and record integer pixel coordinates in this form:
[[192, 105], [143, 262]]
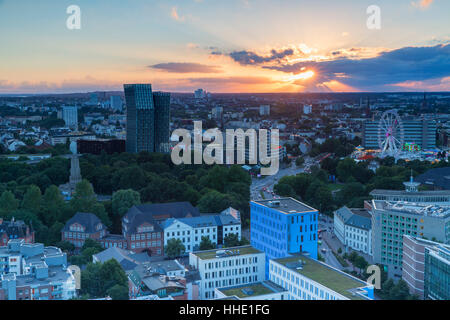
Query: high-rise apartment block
[[70, 117]]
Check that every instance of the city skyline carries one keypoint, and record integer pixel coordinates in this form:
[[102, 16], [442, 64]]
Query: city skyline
[[232, 47]]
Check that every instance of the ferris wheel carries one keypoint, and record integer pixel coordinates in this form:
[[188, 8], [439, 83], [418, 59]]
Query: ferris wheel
[[390, 133]]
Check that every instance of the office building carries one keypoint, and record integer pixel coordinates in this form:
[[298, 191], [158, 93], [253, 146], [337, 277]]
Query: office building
[[353, 227], [412, 194], [70, 117], [420, 132], [413, 272], [225, 268], [148, 119], [116, 103], [282, 227], [264, 110], [309, 279], [437, 273], [307, 109], [392, 220]]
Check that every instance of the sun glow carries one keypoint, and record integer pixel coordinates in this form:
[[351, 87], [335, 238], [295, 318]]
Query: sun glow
[[302, 76]]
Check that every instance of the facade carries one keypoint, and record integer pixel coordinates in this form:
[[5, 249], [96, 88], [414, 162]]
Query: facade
[[412, 194], [264, 290], [191, 230], [148, 118], [98, 146], [116, 103], [41, 273], [414, 263], [141, 226], [15, 230], [392, 220], [309, 279], [223, 268], [282, 227], [437, 273], [162, 121], [353, 227], [419, 132], [70, 117], [83, 226]]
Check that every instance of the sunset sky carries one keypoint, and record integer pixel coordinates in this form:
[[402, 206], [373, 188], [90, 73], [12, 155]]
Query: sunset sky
[[225, 46]]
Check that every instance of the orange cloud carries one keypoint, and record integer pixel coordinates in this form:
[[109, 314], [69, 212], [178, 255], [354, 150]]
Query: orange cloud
[[423, 4]]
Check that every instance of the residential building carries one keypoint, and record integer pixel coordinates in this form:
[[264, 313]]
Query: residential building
[[34, 272], [437, 273], [13, 229], [391, 220], [307, 109], [83, 226], [128, 260], [413, 264], [309, 279], [264, 290], [70, 117], [230, 267], [148, 119], [353, 227], [191, 230], [283, 226], [420, 132], [163, 278]]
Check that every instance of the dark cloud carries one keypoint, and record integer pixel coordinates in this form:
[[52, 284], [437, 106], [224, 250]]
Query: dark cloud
[[390, 67], [185, 67], [232, 80], [251, 58]]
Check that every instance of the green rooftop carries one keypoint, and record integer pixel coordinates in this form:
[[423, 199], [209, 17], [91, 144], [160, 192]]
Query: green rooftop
[[250, 290], [211, 254], [330, 278]]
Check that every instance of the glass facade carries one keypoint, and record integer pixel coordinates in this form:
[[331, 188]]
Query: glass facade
[[148, 118], [437, 273]]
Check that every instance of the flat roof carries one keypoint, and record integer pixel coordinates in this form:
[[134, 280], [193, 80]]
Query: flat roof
[[406, 193], [420, 209], [327, 276], [232, 252], [252, 289], [286, 205]]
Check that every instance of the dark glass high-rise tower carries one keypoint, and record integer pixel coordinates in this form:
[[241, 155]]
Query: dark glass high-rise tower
[[148, 117]]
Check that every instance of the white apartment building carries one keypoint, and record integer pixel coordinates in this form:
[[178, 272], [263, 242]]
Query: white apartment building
[[70, 117], [191, 230], [353, 227], [309, 279], [224, 268]]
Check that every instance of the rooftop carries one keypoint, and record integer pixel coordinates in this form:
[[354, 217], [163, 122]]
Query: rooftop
[[327, 276], [252, 290], [420, 209], [228, 252], [286, 205]]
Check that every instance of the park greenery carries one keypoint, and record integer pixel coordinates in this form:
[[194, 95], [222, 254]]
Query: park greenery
[[354, 181], [30, 192]]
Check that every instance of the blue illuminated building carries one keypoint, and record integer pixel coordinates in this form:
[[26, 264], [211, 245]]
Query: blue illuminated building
[[282, 227]]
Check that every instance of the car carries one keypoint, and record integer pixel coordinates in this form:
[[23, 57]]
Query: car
[[324, 250]]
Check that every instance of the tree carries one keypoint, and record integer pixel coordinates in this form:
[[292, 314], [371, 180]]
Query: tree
[[123, 200], [400, 291], [53, 205], [284, 190], [232, 240], [32, 199], [118, 292], [360, 263], [206, 244], [8, 202], [174, 248], [214, 201]]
